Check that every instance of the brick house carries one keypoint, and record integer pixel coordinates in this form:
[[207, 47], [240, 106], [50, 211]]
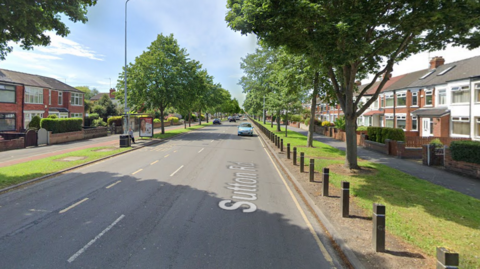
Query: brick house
[[110, 94], [23, 96]]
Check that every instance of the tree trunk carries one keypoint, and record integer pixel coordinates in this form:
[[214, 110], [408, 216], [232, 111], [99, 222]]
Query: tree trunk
[[206, 116], [312, 110], [162, 120], [271, 122], [278, 122], [200, 117], [286, 122], [351, 143], [190, 119]]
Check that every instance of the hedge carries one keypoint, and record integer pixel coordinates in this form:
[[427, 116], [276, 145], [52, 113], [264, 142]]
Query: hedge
[[379, 134], [156, 121], [117, 119], [175, 119], [465, 151], [296, 118], [62, 125], [35, 123]]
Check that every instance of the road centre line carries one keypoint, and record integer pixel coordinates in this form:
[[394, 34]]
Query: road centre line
[[201, 150], [74, 256], [176, 171], [166, 156], [72, 206], [111, 185], [154, 162], [137, 171], [310, 227], [211, 141]]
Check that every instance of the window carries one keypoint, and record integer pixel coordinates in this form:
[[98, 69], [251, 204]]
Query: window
[[77, 115], [477, 127], [446, 70], [401, 122], [382, 100], [461, 125], [381, 121], [33, 95], [367, 121], [477, 92], [402, 99], [428, 98], [29, 115], [60, 98], [49, 97], [460, 94], [427, 74], [442, 97], [389, 100], [414, 98], [414, 123], [76, 99], [375, 104], [389, 121], [7, 94], [7, 122]]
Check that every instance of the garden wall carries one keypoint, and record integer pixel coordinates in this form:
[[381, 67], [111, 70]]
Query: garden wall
[[95, 132], [471, 169], [18, 143], [65, 137]]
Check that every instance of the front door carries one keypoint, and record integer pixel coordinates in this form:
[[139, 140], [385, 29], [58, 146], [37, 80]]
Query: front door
[[426, 127]]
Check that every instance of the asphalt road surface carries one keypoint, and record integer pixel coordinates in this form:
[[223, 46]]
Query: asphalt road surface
[[206, 199]]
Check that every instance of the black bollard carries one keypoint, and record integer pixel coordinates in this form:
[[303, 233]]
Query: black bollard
[[278, 142], [378, 227], [325, 180], [345, 199], [312, 169], [447, 259], [294, 156], [288, 151], [302, 161], [281, 145]]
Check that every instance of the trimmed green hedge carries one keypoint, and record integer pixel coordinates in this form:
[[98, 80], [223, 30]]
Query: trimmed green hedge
[[175, 119], [62, 125], [296, 118], [156, 121], [117, 119], [379, 134], [465, 151]]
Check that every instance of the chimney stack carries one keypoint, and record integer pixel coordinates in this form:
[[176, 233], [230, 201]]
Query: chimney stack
[[436, 62], [112, 93]]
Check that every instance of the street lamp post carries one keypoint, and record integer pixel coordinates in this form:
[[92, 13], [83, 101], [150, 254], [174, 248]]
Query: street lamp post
[[126, 108], [264, 109]]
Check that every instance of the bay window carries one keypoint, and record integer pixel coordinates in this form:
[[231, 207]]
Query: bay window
[[7, 122]]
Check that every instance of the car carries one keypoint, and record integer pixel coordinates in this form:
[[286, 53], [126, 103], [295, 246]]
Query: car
[[237, 118], [244, 118], [216, 121], [245, 128], [232, 119]]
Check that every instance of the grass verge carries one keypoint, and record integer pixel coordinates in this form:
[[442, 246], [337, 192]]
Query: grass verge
[[18, 173], [423, 214], [170, 133]]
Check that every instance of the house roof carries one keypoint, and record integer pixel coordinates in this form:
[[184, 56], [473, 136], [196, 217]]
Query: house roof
[[35, 81], [431, 112], [99, 96]]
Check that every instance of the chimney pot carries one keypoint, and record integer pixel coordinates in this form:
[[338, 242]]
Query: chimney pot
[[436, 62]]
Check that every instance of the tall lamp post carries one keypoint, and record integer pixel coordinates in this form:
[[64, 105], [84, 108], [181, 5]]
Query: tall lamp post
[[126, 108], [264, 109]]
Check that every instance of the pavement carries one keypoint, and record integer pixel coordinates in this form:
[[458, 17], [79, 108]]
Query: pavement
[[436, 175], [12, 157]]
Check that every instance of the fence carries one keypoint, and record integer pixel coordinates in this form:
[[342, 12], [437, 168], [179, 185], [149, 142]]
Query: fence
[[418, 142]]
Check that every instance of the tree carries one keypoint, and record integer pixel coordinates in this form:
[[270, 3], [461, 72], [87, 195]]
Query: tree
[[353, 38], [27, 21], [89, 93], [110, 109], [157, 76]]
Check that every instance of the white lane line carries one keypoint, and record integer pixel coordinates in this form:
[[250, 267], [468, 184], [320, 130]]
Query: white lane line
[[72, 206], [211, 141], [174, 151], [74, 256], [166, 156], [201, 150], [176, 171], [154, 162], [109, 186], [322, 248], [137, 171]]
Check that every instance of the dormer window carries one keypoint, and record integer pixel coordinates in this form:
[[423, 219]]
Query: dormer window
[[446, 70]]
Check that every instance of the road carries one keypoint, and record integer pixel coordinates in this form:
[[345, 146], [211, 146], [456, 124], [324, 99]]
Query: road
[[205, 199]]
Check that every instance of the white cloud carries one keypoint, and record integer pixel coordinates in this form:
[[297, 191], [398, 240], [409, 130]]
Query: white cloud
[[63, 46], [32, 56]]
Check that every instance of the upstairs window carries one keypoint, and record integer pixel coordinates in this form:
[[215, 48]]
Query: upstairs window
[[7, 94], [388, 100], [477, 93], [60, 98], [428, 98], [402, 99], [460, 95], [442, 97], [33, 95], [414, 98], [76, 99]]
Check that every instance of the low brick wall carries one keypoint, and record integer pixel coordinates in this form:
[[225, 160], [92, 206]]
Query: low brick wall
[[378, 147], [18, 143], [96, 132], [294, 124], [471, 169], [65, 137]]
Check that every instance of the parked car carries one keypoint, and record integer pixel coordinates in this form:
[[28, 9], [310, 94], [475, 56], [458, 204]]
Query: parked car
[[237, 118], [245, 128], [244, 118], [232, 119], [216, 121]]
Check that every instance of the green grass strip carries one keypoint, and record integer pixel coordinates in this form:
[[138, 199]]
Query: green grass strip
[[423, 214], [170, 133], [18, 173]]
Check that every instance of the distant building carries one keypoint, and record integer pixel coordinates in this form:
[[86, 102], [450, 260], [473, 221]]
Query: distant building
[[23, 96], [110, 94]]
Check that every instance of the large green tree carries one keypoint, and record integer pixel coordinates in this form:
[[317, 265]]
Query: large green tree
[[89, 93], [26, 21], [351, 38], [157, 77]]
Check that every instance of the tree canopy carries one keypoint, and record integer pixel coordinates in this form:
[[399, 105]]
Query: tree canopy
[[27, 21]]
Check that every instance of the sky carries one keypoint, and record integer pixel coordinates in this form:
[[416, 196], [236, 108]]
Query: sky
[[93, 54]]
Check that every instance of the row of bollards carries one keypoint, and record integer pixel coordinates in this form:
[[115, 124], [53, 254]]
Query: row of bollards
[[445, 258]]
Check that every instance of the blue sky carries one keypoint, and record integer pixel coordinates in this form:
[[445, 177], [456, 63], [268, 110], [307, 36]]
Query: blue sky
[[93, 54]]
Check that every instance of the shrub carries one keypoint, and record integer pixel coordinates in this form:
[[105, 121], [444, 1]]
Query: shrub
[[194, 118], [52, 116], [156, 121], [326, 123], [465, 151], [175, 119], [362, 128], [318, 122], [296, 118], [92, 116], [436, 143], [340, 123], [379, 134], [98, 122], [62, 125], [374, 133], [118, 120], [35, 123], [307, 121]]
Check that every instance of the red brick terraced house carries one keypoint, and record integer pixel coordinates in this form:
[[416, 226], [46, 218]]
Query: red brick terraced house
[[23, 96]]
